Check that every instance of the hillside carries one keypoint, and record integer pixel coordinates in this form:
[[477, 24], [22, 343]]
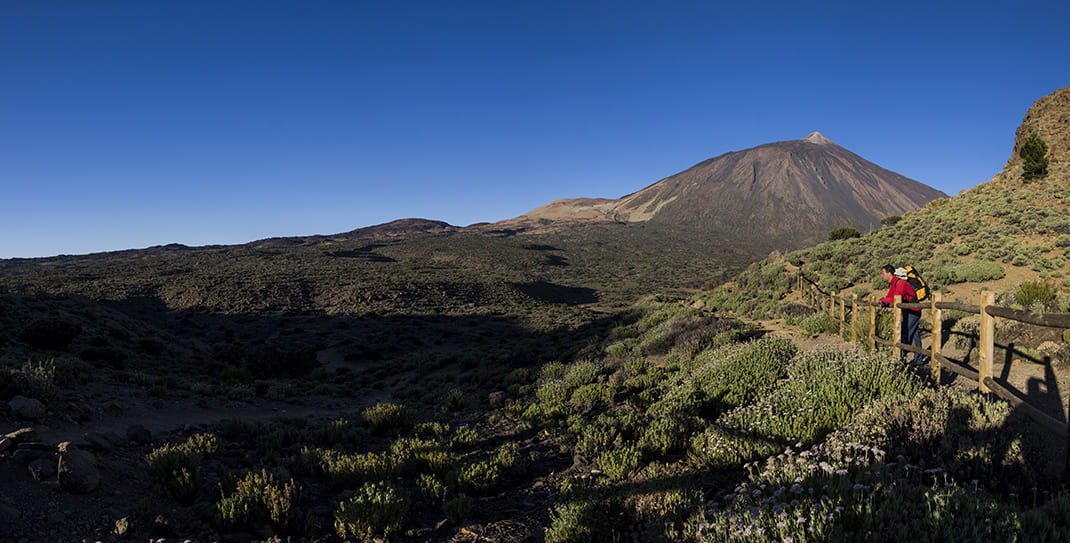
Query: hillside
[[780, 196]]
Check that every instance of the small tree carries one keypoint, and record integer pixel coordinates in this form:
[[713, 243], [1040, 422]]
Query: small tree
[[1034, 157], [891, 220], [843, 232]]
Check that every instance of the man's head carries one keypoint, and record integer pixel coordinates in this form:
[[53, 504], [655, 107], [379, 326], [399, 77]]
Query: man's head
[[888, 272]]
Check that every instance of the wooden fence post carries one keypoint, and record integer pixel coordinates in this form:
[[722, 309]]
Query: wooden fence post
[[843, 313], [937, 339], [832, 306], [897, 326], [872, 325], [854, 318], [988, 338]]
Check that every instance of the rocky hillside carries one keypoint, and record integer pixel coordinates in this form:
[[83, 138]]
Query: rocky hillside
[[997, 236], [781, 195]]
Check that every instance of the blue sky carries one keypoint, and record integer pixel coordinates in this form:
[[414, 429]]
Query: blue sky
[[127, 124]]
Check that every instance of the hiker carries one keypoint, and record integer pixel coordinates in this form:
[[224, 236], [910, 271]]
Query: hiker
[[899, 286]]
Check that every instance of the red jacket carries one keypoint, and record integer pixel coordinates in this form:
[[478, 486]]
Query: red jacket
[[900, 287]]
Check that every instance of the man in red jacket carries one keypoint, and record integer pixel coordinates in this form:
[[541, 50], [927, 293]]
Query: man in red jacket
[[899, 286]]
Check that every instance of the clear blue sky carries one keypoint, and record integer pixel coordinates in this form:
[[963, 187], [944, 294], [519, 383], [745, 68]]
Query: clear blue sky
[[126, 124]]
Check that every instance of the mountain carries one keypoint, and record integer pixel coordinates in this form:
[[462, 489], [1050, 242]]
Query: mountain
[[780, 195]]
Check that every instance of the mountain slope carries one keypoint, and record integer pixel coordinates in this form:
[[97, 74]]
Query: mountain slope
[[782, 195]]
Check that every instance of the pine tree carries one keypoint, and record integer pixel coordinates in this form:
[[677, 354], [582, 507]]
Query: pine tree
[[1034, 157]]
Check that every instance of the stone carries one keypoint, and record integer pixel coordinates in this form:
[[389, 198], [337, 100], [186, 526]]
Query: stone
[[138, 434], [43, 468], [97, 442], [23, 457], [24, 435], [6, 443], [78, 473], [27, 408]]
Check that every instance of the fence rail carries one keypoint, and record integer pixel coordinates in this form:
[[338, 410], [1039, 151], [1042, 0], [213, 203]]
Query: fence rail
[[983, 376]]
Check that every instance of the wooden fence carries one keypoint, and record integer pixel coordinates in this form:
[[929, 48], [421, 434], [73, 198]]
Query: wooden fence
[[983, 376]]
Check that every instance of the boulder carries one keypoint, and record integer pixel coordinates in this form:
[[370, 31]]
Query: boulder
[[24, 435], [27, 408], [138, 434], [78, 473], [43, 468]]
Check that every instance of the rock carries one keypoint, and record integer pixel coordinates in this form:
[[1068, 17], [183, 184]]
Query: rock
[[24, 435], [43, 468], [138, 434], [97, 442], [27, 408], [24, 457], [78, 473], [6, 443], [9, 514]]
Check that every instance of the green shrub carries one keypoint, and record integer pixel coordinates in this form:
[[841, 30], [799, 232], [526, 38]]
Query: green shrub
[[592, 395], [176, 469], [586, 520], [818, 323], [1030, 293], [457, 509], [432, 488], [618, 464], [844, 232], [977, 271], [348, 470], [1034, 157], [385, 416], [262, 497], [52, 333], [37, 380], [376, 509], [464, 436], [454, 400]]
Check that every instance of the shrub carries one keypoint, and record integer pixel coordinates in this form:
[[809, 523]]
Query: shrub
[[376, 509], [262, 497], [844, 232], [37, 380], [1034, 157], [384, 416], [432, 488], [619, 463], [454, 400], [464, 436], [592, 519], [891, 220], [176, 469], [457, 509], [347, 470], [978, 271], [817, 323], [1030, 293], [52, 333], [592, 395]]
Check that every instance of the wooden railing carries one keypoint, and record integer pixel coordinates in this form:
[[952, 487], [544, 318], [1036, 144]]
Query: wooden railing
[[987, 383]]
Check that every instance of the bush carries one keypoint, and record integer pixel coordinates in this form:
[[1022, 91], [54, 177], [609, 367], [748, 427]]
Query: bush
[[262, 497], [177, 470], [376, 509], [384, 416], [1032, 293], [457, 509], [618, 464], [978, 271], [52, 333], [1034, 157], [844, 232]]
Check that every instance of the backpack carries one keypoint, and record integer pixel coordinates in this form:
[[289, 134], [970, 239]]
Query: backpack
[[921, 289]]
